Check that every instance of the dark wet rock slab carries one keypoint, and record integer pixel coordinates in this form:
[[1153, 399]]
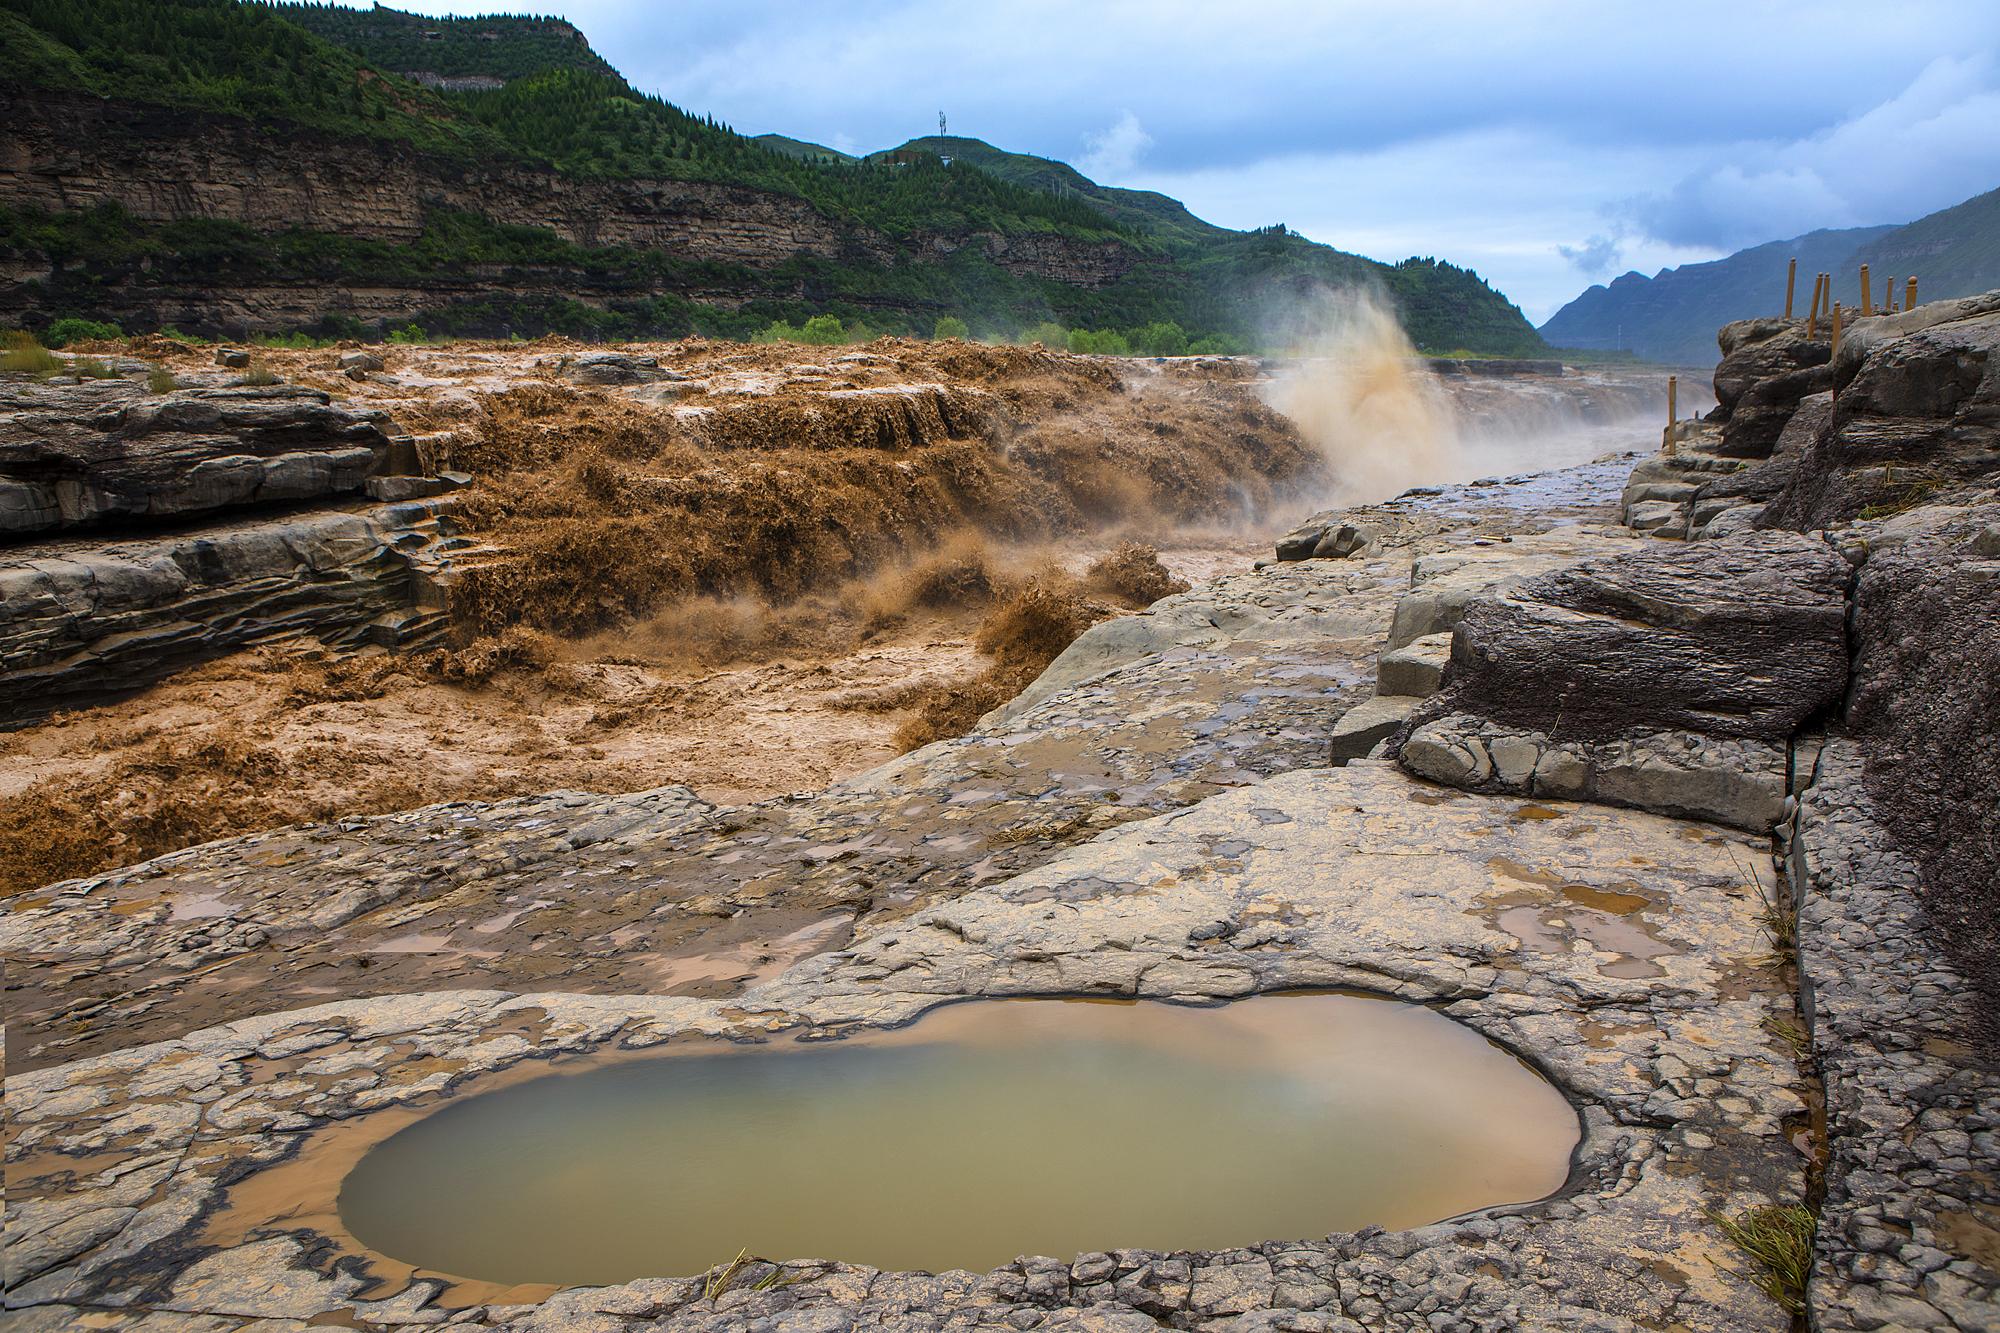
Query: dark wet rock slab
[[84, 620], [1742, 637], [107, 451]]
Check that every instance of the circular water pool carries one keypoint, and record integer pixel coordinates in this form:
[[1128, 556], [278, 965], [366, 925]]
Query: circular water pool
[[984, 1131]]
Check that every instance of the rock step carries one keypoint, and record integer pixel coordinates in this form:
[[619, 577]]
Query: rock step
[[1366, 725], [1416, 668]]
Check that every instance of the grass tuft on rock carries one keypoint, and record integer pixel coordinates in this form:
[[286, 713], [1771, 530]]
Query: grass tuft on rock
[[24, 353], [1780, 1238]]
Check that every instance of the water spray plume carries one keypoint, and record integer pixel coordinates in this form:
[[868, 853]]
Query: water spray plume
[[1359, 393]]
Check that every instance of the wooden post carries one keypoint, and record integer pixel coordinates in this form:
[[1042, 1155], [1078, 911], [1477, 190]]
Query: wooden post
[[1867, 300], [1673, 399], [1910, 295], [1889, 296], [1836, 328], [1812, 312], [1791, 280]]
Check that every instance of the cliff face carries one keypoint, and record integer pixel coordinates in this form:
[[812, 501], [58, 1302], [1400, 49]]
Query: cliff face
[[73, 152], [69, 151]]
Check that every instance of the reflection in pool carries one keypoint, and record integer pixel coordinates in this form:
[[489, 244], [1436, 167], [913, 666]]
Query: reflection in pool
[[984, 1131]]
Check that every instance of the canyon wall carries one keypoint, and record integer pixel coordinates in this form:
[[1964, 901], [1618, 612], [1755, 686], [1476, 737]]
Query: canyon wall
[[68, 152]]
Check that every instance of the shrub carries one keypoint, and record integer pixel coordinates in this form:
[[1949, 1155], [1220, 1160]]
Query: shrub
[[66, 331], [161, 380], [408, 335], [257, 377], [1108, 342], [824, 330], [949, 326], [1160, 339], [1048, 334], [1220, 344], [778, 331], [191, 339], [24, 353]]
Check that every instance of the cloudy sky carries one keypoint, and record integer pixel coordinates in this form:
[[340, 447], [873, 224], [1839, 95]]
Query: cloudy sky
[[1547, 143]]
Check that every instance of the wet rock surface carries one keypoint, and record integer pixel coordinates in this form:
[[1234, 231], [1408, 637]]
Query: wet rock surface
[[1158, 820], [108, 451], [1909, 1234], [81, 620], [1925, 705]]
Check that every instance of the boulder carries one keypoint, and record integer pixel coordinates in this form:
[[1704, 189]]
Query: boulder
[[614, 368], [1743, 637], [1442, 585], [1302, 541], [362, 361], [1342, 540], [1920, 414], [80, 624], [1415, 669], [1767, 366], [1667, 518], [109, 451], [1366, 725], [235, 358]]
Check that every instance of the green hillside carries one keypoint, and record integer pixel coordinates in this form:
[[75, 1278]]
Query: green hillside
[[1954, 251], [499, 47], [530, 93], [1143, 209], [811, 152]]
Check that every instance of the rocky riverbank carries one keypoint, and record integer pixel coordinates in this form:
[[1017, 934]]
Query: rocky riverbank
[[1645, 810]]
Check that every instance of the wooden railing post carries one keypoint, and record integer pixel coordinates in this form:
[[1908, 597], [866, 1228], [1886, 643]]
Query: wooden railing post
[[1836, 328], [1910, 296], [1867, 300], [1791, 281]]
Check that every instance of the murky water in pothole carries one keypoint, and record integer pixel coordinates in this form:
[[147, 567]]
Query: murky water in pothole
[[984, 1131]]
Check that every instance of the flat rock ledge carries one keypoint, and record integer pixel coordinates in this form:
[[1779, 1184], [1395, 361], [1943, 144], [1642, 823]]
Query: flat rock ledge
[[1657, 1023]]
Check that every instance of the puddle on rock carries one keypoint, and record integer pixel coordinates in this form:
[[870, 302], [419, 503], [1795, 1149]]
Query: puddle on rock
[[986, 1130]]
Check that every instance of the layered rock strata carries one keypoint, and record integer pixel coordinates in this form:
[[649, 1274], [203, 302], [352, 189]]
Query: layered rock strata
[[83, 620], [108, 451]]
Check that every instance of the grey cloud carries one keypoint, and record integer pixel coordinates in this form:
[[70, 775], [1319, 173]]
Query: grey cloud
[[1929, 146], [1594, 257]]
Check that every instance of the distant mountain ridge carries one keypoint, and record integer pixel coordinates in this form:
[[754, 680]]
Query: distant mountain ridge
[[1673, 315]]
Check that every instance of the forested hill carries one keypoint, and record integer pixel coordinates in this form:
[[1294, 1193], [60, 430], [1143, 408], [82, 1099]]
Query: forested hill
[[1673, 315], [494, 175], [1954, 251]]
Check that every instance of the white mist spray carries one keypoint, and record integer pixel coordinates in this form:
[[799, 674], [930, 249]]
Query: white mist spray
[[1361, 396]]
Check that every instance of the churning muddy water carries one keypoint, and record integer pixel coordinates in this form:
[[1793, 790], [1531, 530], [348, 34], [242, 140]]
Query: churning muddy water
[[984, 1131]]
